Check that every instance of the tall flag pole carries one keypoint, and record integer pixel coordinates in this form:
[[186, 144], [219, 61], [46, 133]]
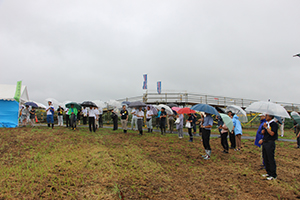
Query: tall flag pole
[[158, 87], [145, 82]]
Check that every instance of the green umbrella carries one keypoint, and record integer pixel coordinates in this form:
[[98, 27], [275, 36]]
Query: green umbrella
[[76, 105], [227, 121], [296, 117]]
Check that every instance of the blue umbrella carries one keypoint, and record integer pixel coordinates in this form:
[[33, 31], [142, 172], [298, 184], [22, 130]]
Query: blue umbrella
[[205, 108], [32, 104]]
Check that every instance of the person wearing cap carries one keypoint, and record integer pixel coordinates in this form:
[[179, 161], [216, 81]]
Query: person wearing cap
[[163, 116], [50, 112], [259, 134], [140, 117], [73, 113], [60, 114], [124, 118], [270, 131], [207, 125]]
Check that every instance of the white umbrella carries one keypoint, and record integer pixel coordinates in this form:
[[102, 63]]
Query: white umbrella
[[239, 112], [268, 108], [169, 111]]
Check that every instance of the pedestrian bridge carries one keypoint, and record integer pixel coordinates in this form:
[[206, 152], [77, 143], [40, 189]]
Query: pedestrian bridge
[[185, 99]]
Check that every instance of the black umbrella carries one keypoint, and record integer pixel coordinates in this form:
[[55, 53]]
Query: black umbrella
[[221, 110], [88, 104], [136, 104], [172, 105], [32, 104]]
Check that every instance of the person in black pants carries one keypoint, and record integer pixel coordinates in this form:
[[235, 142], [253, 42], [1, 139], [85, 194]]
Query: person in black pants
[[207, 125], [231, 134], [163, 116], [92, 119], [224, 134], [115, 118], [190, 119], [67, 117], [270, 132]]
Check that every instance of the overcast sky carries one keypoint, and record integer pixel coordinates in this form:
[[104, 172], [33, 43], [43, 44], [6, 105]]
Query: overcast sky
[[85, 50]]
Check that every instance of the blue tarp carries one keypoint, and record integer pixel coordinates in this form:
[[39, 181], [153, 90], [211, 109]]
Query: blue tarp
[[9, 111]]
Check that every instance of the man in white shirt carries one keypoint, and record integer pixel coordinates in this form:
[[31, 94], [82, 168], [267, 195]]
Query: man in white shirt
[[50, 112], [149, 115], [140, 117], [96, 111], [92, 119], [100, 117], [84, 113], [134, 119]]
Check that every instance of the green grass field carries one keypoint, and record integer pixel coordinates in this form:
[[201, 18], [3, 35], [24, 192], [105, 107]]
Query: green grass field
[[42, 163]]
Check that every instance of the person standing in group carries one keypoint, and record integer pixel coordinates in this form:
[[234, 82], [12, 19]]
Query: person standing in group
[[32, 116], [25, 115], [96, 111], [84, 113], [171, 122], [115, 118], [220, 124], [100, 117], [179, 125], [224, 134], [140, 120], [260, 136], [91, 114], [134, 119], [50, 112], [73, 116], [149, 115], [194, 123], [207, 125], [231, 134], [298, 135], [282, 127], [78, 116], [190, 119], [124, 118], [270, 131], [163, 116], [157, 119], [67, 117], [60, 115], [238, 132]]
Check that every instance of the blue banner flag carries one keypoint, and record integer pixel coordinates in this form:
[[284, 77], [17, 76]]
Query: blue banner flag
[[159, 87], [145, 82]]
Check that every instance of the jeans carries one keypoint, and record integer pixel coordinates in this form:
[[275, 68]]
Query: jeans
[[50, 119], [134, 122], [206, 138]]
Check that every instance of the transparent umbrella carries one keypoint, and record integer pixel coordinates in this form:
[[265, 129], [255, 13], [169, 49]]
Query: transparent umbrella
[[268, 108], [239, 112]]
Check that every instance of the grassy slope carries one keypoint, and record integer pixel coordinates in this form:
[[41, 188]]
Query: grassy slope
[[60, 163]]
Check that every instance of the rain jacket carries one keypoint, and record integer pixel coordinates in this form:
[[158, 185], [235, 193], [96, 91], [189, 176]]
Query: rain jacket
[[259, 135], [74, 110], [237, 125], [180, 124]]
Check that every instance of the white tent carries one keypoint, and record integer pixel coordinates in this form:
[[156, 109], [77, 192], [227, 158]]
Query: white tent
[[7, 92], [9, 107]]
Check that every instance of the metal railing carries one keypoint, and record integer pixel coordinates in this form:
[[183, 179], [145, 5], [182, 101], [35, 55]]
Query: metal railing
[[185, 98]]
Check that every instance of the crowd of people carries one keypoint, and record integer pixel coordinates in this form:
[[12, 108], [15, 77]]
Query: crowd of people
[[266, 134]]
